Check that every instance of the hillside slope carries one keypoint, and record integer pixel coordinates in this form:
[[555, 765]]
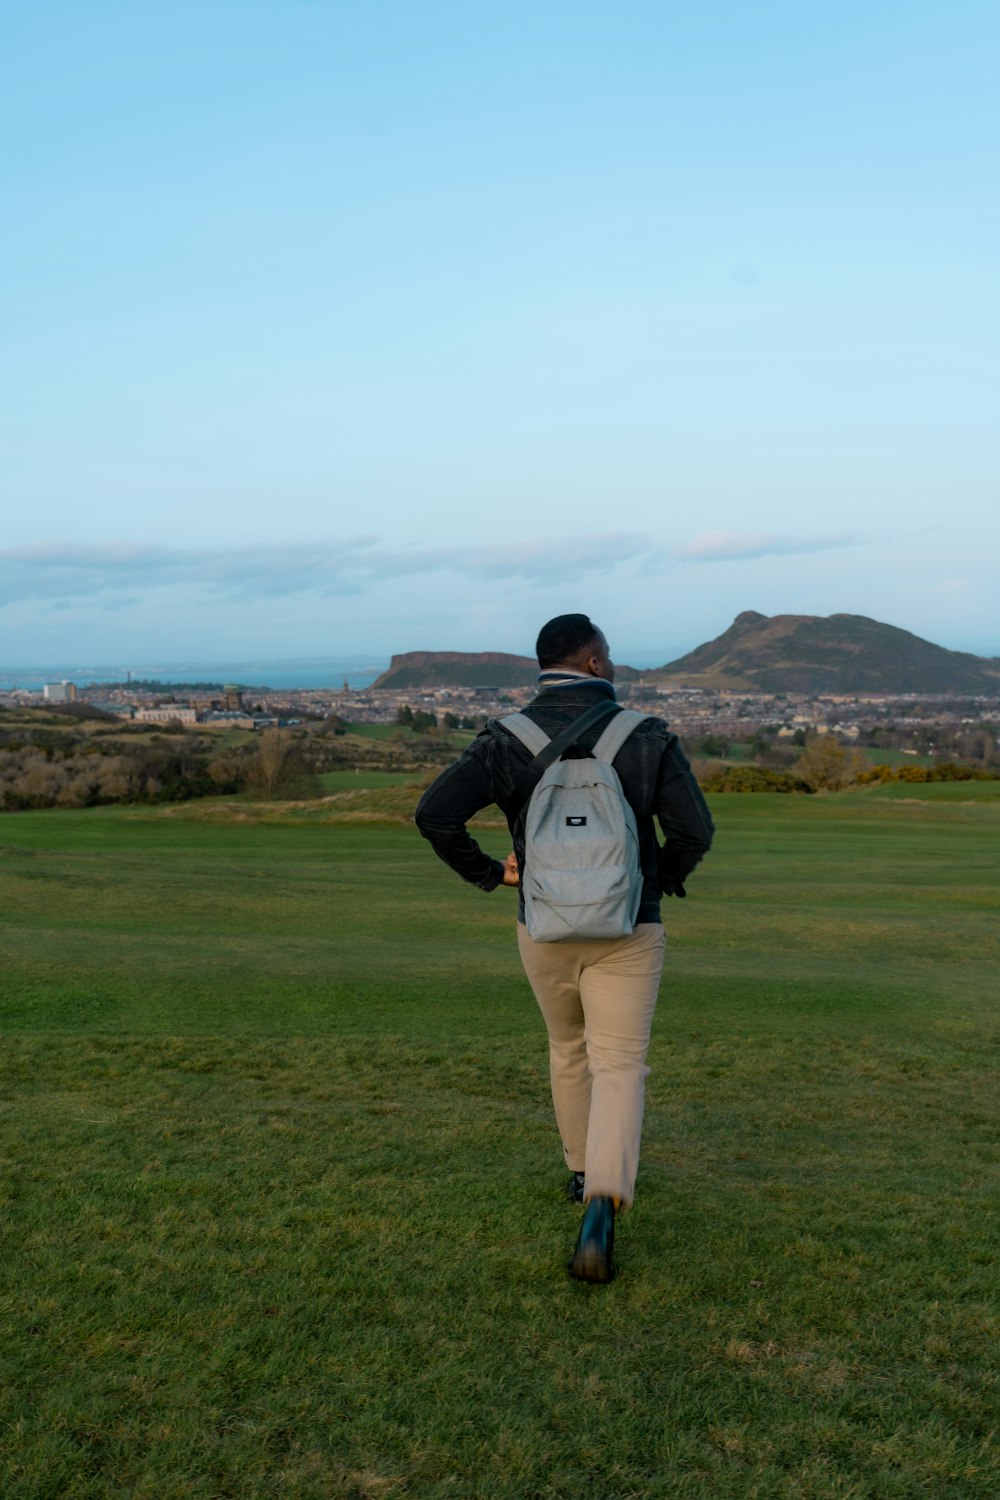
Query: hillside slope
[[836, 653]]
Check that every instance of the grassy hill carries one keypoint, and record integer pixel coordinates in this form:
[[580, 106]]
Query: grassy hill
[[839, 653]]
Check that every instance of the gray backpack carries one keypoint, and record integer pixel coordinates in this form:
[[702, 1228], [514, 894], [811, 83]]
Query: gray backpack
[[582, 877]]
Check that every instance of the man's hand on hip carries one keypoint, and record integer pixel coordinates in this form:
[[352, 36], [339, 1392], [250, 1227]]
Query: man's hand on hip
[[510, 872]]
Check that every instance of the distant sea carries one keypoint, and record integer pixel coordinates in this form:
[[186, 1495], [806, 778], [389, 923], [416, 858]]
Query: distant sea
[[293, 672]]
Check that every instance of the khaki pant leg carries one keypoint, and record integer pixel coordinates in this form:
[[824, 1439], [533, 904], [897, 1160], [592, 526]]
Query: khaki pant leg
[[553, 971], [597, 1000], [618, 993]]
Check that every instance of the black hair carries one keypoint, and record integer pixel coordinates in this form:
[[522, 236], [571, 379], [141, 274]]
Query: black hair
[[562, 639]]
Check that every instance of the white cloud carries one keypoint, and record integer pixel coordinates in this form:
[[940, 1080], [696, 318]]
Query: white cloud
[[733, 546]]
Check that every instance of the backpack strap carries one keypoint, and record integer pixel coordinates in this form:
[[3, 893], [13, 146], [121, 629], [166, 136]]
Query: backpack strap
[[552, 749], [616, 733], [527, 731]]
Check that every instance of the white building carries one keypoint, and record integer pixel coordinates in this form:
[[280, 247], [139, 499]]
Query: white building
[[170, 714]]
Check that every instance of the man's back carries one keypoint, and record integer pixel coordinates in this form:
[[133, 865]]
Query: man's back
[[653, 770]]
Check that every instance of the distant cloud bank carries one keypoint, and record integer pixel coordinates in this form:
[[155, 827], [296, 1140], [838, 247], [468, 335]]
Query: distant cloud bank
[[58, 571], [110, 574]]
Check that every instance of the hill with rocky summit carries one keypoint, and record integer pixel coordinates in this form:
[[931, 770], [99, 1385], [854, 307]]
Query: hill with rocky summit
[[835, 654], [472, 669]]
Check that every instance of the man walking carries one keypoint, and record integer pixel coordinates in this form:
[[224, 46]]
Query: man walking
[[597, 996]]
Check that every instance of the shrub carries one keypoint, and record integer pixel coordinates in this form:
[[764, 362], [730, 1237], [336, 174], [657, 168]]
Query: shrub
[[875, 774], [827, 766], [279, 770]]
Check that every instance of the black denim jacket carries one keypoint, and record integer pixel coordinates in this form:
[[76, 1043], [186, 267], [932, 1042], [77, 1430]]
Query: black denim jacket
[[653, 770]]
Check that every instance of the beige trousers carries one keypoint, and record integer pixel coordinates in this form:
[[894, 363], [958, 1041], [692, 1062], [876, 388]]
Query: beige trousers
[[597, 1000]]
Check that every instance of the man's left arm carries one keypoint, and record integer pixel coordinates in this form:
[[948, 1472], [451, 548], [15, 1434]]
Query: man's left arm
[[461, 791], [684, 817]]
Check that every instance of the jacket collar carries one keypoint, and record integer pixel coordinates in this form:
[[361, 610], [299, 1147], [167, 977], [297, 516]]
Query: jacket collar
[[569, 689]]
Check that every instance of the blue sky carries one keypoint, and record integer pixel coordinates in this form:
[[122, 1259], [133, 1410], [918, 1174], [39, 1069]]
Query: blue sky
[[388, 325]]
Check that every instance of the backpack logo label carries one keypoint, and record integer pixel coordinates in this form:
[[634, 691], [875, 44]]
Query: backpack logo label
[[576, 822]]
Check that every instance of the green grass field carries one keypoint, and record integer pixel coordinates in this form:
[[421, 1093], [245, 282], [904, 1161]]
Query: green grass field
[[282, 1196], [363, 780], [897, 757]]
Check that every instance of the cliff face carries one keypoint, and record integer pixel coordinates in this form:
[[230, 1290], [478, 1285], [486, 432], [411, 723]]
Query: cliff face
[[837, 653], [430, 669]]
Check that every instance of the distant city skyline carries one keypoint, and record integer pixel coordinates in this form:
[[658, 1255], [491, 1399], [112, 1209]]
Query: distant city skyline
[[337, 329], [358, 670]]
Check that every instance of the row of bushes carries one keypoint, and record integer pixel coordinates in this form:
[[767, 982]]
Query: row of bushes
[[30, 778], [751, 779], [40, 769], [759, 779], [947, 771], [43, 767]]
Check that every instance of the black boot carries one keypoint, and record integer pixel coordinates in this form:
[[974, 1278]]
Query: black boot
[[591, 1260], [574, 1188]]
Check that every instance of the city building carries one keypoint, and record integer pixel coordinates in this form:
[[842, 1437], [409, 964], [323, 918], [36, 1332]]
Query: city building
[[169, 714]]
